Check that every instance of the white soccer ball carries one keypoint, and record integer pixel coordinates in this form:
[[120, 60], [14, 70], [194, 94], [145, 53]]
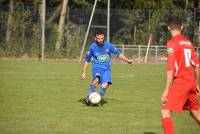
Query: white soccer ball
[[95, 98]]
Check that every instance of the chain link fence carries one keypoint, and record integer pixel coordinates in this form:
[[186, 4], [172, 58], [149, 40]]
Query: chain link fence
[[129, 27]]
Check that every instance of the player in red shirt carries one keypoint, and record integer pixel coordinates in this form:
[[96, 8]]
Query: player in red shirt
[[182, 81]]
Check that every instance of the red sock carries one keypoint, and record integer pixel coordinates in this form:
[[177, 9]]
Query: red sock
[[168, 125]]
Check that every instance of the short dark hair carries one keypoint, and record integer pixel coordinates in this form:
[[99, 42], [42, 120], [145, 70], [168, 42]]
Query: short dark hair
[[98, 32], [174, 22]]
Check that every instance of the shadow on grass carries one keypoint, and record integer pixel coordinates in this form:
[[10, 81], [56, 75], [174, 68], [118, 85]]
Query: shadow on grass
[[149, 133], [103, 102], [82, 100]]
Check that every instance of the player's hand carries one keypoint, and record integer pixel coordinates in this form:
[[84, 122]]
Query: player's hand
[[83, 76], [130, 61], [164, 96], [198, 90]]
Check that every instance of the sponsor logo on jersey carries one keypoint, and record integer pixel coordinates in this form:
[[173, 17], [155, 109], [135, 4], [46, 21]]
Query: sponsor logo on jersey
[[185, 43], [103, 58], [170, 50]]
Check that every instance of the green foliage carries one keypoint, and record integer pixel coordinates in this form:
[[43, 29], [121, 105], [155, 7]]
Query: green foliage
[[123, 4], [75, 36], [167, 4], [51, 36], [1, 1], [133, 27], [25, 34], [3, 17], [33, 42], [85, 3], [138, 24], [73, 40], [149, 4]]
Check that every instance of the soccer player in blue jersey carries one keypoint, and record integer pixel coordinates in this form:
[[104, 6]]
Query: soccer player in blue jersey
[[100, 53]]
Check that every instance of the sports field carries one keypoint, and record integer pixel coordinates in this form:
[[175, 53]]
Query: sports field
[[42, 98]]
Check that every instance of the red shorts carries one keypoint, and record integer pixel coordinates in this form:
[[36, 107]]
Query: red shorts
[[182, 96]]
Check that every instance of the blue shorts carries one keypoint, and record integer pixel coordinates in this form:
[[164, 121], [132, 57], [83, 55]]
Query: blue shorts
[[104, 76]]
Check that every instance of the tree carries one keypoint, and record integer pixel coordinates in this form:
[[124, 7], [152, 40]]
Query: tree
[[85, 3], [55, 14], [10, 19], [61, 25]]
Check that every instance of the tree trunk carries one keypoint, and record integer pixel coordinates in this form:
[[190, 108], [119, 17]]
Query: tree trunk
[[61, 25], [198, 4], [186, 4], [10, 19]]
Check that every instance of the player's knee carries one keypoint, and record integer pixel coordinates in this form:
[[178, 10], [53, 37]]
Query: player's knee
[[196, 115], [104, 85], [95, 82], [165, 113]]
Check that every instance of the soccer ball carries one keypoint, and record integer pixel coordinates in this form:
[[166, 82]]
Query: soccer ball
[[95, 98]]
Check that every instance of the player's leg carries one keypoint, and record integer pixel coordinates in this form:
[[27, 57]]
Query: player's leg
[[93, 85], [167, 107], [105, 80], [167, 122], [193, 106], [175, 102], [103, 88], [196, 115], [95, 81]]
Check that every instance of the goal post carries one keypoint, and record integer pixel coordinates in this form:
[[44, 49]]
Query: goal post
[[89, 25]]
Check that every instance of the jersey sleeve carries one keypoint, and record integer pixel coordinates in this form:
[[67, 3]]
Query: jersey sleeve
[[170, 58], [88, 56], [114, 50], [194, 58]]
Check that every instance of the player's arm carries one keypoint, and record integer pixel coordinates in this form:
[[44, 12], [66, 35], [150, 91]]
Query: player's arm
[[196, 70], [124, 58], [170, 74], [84, 70], [86, 63], [120, 55], [168, 83], [195, 64]]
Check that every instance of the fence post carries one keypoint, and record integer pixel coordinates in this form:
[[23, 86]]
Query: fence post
[[122, 49], [139, 54], [67, 28], [156, 53], [43, 28], [23, 39]]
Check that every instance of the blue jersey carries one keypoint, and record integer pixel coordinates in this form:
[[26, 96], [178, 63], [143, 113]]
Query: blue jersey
[[101, 55]]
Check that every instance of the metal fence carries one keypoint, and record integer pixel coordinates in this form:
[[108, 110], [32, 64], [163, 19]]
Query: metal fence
[[130, 27], [156, 54]]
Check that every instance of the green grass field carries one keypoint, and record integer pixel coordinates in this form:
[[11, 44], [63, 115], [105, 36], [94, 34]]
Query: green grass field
[[42, 98]]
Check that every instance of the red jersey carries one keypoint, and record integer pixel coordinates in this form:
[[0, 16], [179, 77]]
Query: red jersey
[[181, 58]]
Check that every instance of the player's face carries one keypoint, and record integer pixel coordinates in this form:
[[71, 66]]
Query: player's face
[[100, 39]]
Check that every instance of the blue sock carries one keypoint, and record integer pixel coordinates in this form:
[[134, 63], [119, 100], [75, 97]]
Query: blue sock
[[102, 91], [91, 89]]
